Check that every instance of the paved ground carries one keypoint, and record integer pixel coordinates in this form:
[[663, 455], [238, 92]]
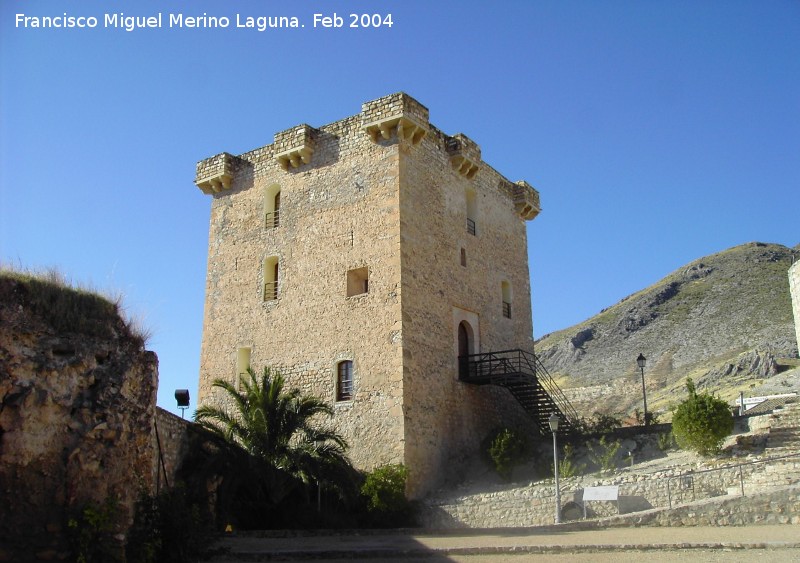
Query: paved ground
[[778, 543]]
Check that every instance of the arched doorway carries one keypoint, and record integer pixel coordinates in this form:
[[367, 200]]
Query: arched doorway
[[464, 348]]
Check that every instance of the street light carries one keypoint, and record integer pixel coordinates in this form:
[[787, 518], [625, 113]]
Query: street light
[[554, 420], [641, 360], [182, 396]]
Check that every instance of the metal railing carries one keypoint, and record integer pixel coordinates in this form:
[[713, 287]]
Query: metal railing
[[471, 227], [270, 291], [514, 365], [552, 388], [507, 309], [692, 480], [658, 491], [272, 219]]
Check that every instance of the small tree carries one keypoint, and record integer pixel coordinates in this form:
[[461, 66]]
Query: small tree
[[270, 444], [701, 422], [567, 467], [604, 454], [506, 450], [384, 490]]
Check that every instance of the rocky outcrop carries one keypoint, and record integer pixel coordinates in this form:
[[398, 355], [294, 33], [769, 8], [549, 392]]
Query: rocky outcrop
[[725, 320], [77, 401]]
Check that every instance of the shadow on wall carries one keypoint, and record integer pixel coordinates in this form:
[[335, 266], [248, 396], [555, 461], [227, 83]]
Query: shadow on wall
[[574, 509]]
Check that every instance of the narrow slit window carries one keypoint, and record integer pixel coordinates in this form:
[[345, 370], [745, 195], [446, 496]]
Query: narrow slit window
[[242, 361], [472, 212], [464, 257], [272, 207], [344, 381], [271, 271], [242, 364], [506, 289]]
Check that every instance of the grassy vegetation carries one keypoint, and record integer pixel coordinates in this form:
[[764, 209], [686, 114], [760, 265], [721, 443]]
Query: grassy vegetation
[[70, 309]]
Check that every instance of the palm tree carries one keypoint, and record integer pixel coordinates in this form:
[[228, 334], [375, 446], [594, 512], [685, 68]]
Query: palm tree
[[269, 444]]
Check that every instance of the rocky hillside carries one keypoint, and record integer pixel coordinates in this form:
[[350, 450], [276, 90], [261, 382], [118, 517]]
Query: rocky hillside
[[725, 320]]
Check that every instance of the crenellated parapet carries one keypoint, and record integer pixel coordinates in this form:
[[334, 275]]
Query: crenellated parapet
[[295, 146], [216, 173], [397, 115], [465, 155], [526, 200]]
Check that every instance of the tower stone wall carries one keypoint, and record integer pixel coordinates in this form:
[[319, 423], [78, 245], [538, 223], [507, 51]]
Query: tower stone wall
[[388, 235], [794, 287]]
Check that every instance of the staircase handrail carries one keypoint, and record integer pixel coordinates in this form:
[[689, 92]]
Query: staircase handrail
[[546, 380], [520, 361]]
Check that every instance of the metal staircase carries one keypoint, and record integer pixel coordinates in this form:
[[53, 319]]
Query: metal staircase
[[528, 381]]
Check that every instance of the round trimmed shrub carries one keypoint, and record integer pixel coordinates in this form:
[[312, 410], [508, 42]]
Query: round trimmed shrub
[[701, 422]]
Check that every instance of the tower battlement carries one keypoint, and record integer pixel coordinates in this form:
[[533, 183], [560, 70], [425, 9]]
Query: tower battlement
[[392, 117]]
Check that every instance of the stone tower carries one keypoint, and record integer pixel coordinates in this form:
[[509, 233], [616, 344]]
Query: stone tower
[[361, 259], [794, 287]]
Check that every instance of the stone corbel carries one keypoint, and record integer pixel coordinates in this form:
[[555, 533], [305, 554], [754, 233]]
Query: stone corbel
[[215, 174], [465, 155], [526, 200], [295, 157], [464, 166], [403, 126], [294, 147]]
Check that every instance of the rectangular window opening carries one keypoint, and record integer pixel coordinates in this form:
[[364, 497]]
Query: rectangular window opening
[[464, 257], [357, 281], [507, 309], [344, 381], [242, 365]]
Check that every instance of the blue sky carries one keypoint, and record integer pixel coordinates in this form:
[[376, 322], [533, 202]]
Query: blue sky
[[656, 131]]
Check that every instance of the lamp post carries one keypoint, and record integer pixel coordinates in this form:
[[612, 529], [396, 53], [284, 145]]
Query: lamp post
[[182, 396], [641, 361], [554, 420]]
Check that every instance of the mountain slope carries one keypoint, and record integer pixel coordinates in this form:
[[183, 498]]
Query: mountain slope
[[725, 320]]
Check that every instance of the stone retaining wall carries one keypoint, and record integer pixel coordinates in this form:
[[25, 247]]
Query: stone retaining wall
[[780, 506], [534, 505]]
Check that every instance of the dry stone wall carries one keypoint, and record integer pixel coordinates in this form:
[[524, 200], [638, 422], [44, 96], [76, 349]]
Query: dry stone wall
[[75, 423], [534, 504]]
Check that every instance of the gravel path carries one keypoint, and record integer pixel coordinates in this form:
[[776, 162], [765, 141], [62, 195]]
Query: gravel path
[[702, 543]]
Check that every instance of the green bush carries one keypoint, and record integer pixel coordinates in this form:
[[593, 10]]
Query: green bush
[[384, 490], [602, 423], [169, 527], [701, 422], [604, 454], [566, 466], [652, 417], [92, 531], [507, 449], [666, 441]]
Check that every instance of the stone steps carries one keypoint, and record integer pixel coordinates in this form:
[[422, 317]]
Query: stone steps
[[784, 432]]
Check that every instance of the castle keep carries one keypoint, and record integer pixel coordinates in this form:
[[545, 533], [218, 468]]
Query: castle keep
[[362, 259]]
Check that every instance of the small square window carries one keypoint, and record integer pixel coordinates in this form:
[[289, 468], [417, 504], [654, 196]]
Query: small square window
[[357, 281]]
